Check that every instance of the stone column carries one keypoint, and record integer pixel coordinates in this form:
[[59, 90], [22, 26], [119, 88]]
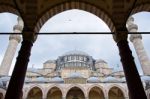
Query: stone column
[[11, 49], [134, 83], [136, 39], [15, 86]]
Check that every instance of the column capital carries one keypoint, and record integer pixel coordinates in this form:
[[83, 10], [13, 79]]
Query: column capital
[[135, 36], [29, 35], [120, 35]]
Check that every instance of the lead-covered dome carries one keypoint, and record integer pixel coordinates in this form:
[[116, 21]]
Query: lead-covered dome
[[75, 75], [75, 59], [75, 52], [93, 80]]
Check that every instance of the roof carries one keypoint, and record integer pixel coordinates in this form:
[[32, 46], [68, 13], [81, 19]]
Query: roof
[[145, 78], [57, 80], [49, 61], [93, 80], [111, 79], [75, 75], [100, 61]]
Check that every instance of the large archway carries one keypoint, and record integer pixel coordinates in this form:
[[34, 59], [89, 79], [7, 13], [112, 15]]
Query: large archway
[[96, 93], [115, 93], [54, 93], [75, 93], [35, 93]]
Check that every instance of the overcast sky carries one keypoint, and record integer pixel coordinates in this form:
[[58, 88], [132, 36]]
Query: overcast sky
[[99, 46]]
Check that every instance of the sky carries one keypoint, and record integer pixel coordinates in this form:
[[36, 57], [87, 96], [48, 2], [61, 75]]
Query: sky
[[50, 47]]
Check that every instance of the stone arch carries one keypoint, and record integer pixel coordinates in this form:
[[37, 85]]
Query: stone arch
[[98, 86], [74, 5], [54, 85], [2, 93], [75, 93], [57, 91], [39, 88], [119, 87], [140, 8], [8, 8], [78, 86]]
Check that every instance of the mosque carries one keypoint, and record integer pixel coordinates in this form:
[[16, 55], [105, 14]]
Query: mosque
[[74, 74]]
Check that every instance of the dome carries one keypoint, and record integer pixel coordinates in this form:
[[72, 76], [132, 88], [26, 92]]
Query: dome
[[111, 79], [5, 78], [75, 75], [145, 78], [57, 80], [50, 61], [41, 79], [100, 61], [27, 79], [1, 83], [75, 52], [93, 80], [32, 70], [123, 79]]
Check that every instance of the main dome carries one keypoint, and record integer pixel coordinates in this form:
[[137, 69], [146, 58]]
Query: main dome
[[75, 52], [75, 59]]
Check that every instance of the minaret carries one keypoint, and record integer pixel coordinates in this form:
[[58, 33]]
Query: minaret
[[136, 39], [14, 40]]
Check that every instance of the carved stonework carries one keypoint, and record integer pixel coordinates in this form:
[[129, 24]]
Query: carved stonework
[[15, 37]]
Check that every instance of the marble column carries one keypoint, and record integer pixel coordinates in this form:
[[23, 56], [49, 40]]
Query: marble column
[[136, 39], [14, 40], [14, 90], [135, 87]]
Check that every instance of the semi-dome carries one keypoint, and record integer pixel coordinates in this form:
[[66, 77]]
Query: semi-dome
[[100, 61], [123, 79], [145, 78], [27, 79], [5, 78], [111, 79], [93, 80], [1, 83], [41, 79], [75, 52], [32, 70], [57, 80], [75, 75], [50, 61]]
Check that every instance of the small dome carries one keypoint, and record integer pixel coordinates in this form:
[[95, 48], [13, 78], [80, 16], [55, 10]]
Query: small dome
[[123, 79], [75, 52], [93, 80], [32, 70], [100, 61], [41, 79], [57, 80], [75, 75], [1, 83], [145, 78], [50, 61], [5, 78], [111, 79]]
